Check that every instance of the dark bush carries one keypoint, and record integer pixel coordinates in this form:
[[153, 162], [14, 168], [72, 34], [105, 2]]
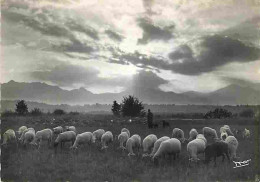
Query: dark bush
[[59, 112], [218, 113], [131, 106], [21, 107], [36, 112], [74, 113], [116, 108]]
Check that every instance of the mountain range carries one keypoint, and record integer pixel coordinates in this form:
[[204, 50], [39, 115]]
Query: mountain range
[[42, 92]]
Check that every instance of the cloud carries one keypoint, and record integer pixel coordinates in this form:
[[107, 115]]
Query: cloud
[[113, 35], [152, 32]]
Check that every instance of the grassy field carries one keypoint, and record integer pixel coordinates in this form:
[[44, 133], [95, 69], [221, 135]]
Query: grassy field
[[92, 164]]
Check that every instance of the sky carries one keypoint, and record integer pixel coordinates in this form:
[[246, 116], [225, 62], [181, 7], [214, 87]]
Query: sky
[[111, 45]]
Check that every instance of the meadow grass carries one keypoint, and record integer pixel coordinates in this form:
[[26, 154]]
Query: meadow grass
[[90, 163]]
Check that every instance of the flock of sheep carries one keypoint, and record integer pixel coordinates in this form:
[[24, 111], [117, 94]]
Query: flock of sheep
[[207, 143]]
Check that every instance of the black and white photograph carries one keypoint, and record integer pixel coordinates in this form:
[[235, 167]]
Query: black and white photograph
[[130, 91]]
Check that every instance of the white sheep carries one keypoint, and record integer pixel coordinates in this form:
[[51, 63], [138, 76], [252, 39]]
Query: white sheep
[[226, 129], [67, 136], [148, 144], [106, 138], [98, 134], [223, 135], [70, 128], [40, 136], [29, 136], [126, 130], [133, 143], [179, 134], [157, 144], [58, 130], [196, 147], [21, 139], [83, 138], [21, 130], [171, 147], [246, 133], [232, 146], [8, 136], [210, 133], [122, 138], [193, 134]]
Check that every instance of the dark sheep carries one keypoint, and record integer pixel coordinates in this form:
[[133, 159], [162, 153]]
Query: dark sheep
[[215, 150], [165, 124]]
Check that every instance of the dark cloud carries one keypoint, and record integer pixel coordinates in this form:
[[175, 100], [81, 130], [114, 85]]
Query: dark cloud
[[113, 35], [182, 52], [152, 32], [65, 74]]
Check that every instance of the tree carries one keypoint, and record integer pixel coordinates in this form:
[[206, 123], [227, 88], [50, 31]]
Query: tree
[[21, 107], [131, 106], [116, 108]]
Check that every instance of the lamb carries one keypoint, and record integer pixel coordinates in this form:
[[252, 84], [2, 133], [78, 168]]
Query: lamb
[[157, 144], [196, 147], [83, 138], [148, 144], [134, 142], [193, 134], [98, 134], [70, 128], [232, 146], [226, 129], [171, 147], [210, 133], [246, 133], [29, 136], [106, 139], [215, 150], [58, 130], [8, 136], [126, 130], [179, 134], [123, 137], [21, 130], [67, 136], [45, 134]]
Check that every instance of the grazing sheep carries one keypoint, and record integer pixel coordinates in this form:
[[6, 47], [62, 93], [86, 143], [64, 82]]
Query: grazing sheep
[[232, 146], [165, 124], [148, 144], [196, 147], [21, 130], [21, 139], [67, 136], [29, 136], [210, 133], [45, 134], [193, 134], [126, 130], [70, 128], [223, 136], [83, 138], [157, 144], [179, 134], [123, 137], [226, 129], [98, 134], [215, 150], [106, 139], [171, 147], [134, 142], [246, 133], [8, 136], [58, 130]]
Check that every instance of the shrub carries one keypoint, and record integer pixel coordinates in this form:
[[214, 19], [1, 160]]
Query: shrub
[[116, 108], [36, 112], [59, 112], [21, 107], [131, 106], [74, 113], [218, 113]]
